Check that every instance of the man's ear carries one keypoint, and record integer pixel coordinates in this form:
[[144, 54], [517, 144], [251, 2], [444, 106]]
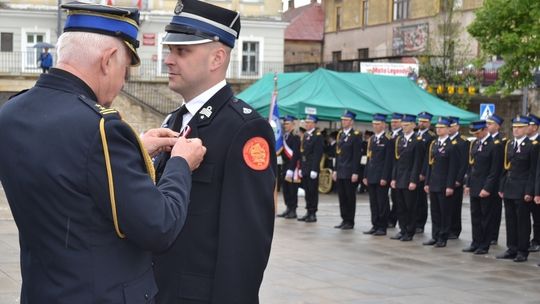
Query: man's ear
[[219, 58], [106, 60]]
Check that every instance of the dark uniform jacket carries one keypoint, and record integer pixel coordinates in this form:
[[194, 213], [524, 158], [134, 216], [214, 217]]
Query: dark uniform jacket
[[379, 164], [485, 166], [55, 179], [519, 164], [443, 161], [463, 151], [223, 249], [311, 147], [426, 138], [408, 160], [293, 141], [348, 153]]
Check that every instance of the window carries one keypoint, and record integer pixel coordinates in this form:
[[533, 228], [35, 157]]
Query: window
[[363, 53], [338, 18], [365, 9], [32, 53], [401, 9], [336, 56], [6, 42], [250, 58]]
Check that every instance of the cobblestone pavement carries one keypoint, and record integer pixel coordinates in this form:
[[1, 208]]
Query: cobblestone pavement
[[315, 263]]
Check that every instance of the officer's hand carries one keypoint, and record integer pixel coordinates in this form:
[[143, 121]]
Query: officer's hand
[[354, 178], [158, 140], [422, 178], [364, 180], [466, 190], [300, 173], [484, 193], [334, 176], [528, 198], [426, 189], [393, 184], [501, 195], [191, 150], [537, 199], [412, 186], [449, 192], [289, 176], [383, 182], [313, 174]]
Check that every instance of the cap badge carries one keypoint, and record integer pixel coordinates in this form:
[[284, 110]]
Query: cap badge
[[179, 7], [247, 110], [206, 112]]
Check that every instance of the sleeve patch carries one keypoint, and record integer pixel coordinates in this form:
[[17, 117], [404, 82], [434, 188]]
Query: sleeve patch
[[256, 153]]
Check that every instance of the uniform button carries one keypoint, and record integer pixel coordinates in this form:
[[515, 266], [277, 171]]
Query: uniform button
[[152, 264], [146, 296]]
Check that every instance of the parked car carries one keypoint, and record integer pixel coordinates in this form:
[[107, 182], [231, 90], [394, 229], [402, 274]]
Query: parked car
[[490, 72]]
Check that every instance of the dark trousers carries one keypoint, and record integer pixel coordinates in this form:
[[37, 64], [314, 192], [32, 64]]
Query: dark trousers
[[518, 225], [379, 205], [347, 199], [290, 194], [421, 206], [482, 217], [406, 210], [535, 211], [311, 188], [455, 226], [393, 215], [441, 215], [497, 214]]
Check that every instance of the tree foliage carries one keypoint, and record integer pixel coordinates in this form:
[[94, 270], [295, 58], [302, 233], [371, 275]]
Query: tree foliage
[[510, 29]]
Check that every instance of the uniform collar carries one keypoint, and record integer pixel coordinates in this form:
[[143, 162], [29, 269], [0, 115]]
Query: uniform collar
[[407, 137], [378, 135], [441, 140], [520, 140], [194, 105], [396, 131], [347, 131], [495, 135], [310, 132], [63, 80], [454, 136], [534, 137], [485, 138]]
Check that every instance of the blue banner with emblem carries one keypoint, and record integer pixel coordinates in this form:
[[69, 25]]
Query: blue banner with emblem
[[275, 123]]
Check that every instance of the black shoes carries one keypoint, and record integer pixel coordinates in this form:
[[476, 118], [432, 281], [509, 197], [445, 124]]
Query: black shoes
[[284, 214], [303, 218], [469, 249], [340, 225], [406, 238], [311, 218], [379, 233], [347, 226], [506, 256], [291, 215], [370, 231], [534, 248], [419, 230], [431, 242], [440, 244], [520, 258], [480, 251]]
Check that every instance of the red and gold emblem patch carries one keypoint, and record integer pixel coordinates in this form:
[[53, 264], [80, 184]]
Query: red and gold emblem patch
[[256, 153]]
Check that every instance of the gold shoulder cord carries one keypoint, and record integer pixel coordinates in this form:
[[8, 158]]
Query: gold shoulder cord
[[396, 147], [302, 142], [507, 164], [338, 149], [471, 159], [369, 147], [147, 162], [431, 159]]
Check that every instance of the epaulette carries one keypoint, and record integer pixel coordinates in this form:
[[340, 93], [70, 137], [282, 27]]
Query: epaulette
[[17, 94], [243, 109], [496, 141], [504, 139], [431, 133], [454, 142], [535, 142], [464, 138], [388, 135], [107, 113]]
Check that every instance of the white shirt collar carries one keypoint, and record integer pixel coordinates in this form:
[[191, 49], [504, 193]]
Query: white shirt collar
[[379, 135], [454, 136], [484, 139], [520, 140], [421, 132], [443, 139], [310, 132], [407, 137], [534, 137], [193, 106], [347, 131], [396, 131], [494, 135]]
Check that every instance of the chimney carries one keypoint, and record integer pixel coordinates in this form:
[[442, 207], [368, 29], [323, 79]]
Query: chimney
[[291, 4]]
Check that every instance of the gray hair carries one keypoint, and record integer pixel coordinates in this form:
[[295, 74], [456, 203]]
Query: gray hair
[[84, 48]]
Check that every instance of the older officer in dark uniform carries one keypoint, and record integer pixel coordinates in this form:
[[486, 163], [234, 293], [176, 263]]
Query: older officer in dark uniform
[[426, 136], [441, 177], [83, 237], [311, 151], [494, 123], [348, 153], [485, 166], [532, 133], [378, 173], [223, 249], [408, 159], [463, 150], [291, 165], [397, 130], [517, 189]]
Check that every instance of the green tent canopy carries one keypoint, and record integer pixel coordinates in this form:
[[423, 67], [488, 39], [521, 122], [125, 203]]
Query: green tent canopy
[[327, 94]]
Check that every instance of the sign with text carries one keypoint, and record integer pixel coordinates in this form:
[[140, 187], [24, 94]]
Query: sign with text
[[389, 69]]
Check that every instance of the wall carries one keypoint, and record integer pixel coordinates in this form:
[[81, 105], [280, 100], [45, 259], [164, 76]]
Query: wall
[[302, 52]]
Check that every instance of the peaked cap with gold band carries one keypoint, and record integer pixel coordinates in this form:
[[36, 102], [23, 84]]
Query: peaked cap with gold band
[[121, 22], [197, 22]]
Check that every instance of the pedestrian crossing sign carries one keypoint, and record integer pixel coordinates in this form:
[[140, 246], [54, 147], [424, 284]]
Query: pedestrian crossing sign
[[486, 110]]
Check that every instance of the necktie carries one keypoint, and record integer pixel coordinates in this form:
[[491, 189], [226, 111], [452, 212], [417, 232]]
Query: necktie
[[177, 124]]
